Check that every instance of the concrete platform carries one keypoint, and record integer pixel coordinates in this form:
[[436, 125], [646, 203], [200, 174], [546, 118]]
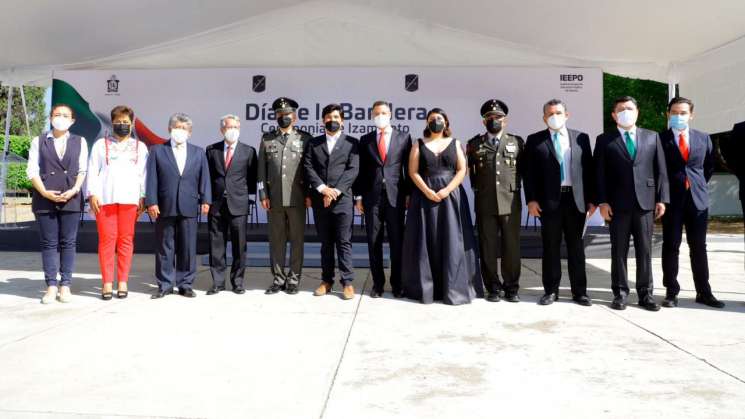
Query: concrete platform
[[281, 356]]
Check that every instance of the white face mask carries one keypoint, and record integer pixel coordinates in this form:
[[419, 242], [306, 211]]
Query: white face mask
[[179, 135], [60, 123], [232, 134], [382, 120], [626, 119], [556, 122]]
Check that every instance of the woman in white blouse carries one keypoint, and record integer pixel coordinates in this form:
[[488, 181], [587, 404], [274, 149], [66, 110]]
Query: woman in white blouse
[[116, 191]]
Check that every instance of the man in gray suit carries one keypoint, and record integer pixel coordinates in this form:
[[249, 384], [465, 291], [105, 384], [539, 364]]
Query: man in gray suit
[[632, 190], [283, 194]]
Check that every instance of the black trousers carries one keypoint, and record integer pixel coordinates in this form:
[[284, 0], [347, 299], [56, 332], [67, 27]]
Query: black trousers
[[695, 222], [176, 257], [334, 227], [570, 222], [379, 217], [638, 224], [224, 226]]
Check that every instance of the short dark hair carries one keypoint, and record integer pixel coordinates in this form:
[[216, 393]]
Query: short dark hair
[[678, 99], [122, 110], [331, 108], [554, 102], [381, 103], [624, 99], [62, 105], [446, 132]]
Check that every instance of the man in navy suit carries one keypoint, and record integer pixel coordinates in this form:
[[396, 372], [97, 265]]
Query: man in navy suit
[[383, 192], [178, 189], [558, 188], [631, 191], [690, 164], [331, 164]]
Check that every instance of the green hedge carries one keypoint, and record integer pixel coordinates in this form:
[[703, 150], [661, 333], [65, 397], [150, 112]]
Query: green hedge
[[17, 177], [651, 96], [19, 144]]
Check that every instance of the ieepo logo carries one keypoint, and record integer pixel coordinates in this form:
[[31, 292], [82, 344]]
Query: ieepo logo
[[571, 77]]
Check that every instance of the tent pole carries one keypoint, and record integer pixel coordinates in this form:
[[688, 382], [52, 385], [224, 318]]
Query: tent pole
[[25, 111], [6, 150]]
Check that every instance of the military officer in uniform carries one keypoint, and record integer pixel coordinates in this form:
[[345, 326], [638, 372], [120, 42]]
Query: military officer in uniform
[[283, 194], [495, 172]]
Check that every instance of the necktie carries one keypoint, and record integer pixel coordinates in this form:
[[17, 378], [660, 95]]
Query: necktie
[[630, 147], [684, 152], [559, 154], [495, 141], [381, 146], [229, 157]]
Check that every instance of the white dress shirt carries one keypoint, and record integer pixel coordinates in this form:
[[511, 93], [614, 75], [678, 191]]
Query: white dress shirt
[[120, 178], [179, 151], [330, 144], [60, 145], [566, 153]]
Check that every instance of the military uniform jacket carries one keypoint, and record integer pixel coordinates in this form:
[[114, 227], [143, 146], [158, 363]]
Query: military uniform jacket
[[281, 168], [496, 173]]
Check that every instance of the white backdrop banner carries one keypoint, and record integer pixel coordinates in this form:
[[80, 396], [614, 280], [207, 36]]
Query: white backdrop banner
[[208, 94]]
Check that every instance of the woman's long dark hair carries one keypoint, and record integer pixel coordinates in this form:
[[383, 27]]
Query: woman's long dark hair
[[446, 132]]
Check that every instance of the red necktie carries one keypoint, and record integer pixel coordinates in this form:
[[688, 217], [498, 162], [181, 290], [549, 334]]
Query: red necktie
[[381, 146], [683, 146], [229, 157]]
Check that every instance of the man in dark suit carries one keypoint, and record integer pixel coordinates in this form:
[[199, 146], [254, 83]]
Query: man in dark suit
[[383, 193], [734, 155], [233, 173], [558, 188], [632, 190], [690, 164], [178, 188], [331, 165]]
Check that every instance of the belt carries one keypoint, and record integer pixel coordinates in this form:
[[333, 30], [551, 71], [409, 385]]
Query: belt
[[566, 189]]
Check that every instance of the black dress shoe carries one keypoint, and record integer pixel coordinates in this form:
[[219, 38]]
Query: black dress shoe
[[239, 290], [215, 290], [398, 293], [709, 300], [493, 297], [292, 289], [582, 300], [648, 303], [512, 297], [670, 301], [619, 303], [548, 299], [376, 293], [188, 293], [160, 294], [274, 289]]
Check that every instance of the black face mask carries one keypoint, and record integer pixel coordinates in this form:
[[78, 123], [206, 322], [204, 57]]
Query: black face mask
[[332, 126], [436, 126], [284, 121], [121, 130], [493, 126]]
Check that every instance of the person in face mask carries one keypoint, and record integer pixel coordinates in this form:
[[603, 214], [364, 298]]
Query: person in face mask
[[439, 241], [690, 163], [233, 166], [631, 191], [331, 164], [57, 165], [383, 194], [116, 194], [558, 189], [283, 194], [178, 189], [495, 168]]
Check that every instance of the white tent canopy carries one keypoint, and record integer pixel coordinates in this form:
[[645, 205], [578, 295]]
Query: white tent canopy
[[700, 45]]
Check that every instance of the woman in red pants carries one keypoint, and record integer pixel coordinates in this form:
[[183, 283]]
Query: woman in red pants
[[116, 190]]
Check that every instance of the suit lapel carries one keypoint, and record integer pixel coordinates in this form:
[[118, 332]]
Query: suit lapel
[[373, 147], [171, 157], [236, 153], [576, 156], [340, 143], [550, 144], [620, 142], [190, 156]]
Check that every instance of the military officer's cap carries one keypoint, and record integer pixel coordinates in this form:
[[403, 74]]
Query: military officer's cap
[[284, 105], [494, 106]]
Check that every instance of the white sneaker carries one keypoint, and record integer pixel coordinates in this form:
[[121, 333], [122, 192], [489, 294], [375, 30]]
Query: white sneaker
[[50, 295], [64, 295]]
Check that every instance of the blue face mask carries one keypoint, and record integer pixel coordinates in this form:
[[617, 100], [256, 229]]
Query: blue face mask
[[679, 122]]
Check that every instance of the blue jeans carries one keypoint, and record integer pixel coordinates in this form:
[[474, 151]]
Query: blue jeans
[[58, 231]]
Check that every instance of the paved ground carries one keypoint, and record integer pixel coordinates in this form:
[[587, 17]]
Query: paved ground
[[257, 356]]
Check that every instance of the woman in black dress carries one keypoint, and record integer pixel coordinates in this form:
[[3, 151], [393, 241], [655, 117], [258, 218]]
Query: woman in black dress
[[439, 242]]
